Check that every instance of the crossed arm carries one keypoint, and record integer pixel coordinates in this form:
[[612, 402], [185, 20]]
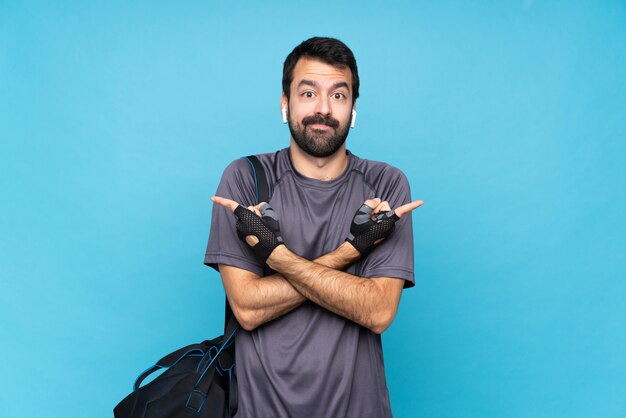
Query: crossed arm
[[371, 303], [255, 300]]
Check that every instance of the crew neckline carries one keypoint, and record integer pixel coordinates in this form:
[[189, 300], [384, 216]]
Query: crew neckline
[[324, 184]]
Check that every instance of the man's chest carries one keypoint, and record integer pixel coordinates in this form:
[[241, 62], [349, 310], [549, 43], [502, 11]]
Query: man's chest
[[314, 221]]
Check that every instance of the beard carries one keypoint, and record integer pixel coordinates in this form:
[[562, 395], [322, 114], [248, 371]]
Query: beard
[[315, 142]]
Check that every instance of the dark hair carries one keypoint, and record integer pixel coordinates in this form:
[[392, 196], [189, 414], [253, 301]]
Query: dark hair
[[328, 50]]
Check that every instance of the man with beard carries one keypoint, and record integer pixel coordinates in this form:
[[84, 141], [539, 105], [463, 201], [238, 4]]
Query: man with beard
[[312, 284]]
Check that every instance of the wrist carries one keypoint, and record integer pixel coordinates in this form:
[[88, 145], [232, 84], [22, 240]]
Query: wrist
[[348, 252], [277, 254]]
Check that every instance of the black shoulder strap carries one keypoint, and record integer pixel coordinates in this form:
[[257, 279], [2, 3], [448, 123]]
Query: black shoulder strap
[[260, 179]]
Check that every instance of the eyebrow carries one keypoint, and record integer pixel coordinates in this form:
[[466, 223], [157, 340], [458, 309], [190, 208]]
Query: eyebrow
[[316, 84]]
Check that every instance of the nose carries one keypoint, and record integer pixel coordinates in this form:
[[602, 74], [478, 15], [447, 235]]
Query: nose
[[323, 106]]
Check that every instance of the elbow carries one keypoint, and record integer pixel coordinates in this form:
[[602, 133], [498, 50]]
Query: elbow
[[248, 326], [379, 328], [381, 322], [384, 311], [245, 318]]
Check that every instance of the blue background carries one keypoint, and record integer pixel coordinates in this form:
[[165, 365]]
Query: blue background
[[117, 119]]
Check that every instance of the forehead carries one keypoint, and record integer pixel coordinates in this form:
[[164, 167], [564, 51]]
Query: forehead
[[318, 71]]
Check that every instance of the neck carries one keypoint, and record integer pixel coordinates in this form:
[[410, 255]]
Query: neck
[[326, 168]]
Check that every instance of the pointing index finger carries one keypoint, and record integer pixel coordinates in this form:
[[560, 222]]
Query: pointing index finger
[[227, 203], [404, 209]]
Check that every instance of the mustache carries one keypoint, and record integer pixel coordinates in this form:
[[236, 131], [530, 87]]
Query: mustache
[[320, 120]]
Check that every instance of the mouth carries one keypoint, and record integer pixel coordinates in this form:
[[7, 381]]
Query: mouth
[[319, 126]]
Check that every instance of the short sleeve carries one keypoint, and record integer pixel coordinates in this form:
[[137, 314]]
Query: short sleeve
[[224, 246], [394, 256]]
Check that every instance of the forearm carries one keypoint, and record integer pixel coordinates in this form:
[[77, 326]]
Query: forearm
[[361, 300], [262, 299], [266, 298]]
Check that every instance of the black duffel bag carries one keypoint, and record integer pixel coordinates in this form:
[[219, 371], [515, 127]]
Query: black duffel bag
[[199, 382], [200, 379]]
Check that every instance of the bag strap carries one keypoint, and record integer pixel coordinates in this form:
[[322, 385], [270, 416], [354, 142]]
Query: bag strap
[[198, 395], [260, 179], [169, 361]]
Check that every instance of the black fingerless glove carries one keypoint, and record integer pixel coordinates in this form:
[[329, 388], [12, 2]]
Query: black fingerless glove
[[365, 231], [265, 228]]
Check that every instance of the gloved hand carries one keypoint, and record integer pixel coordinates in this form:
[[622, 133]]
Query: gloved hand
[[366, 233], [265, 228]]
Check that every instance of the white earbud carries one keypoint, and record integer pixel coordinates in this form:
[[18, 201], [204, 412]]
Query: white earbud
[[353, 120], [284, 110]]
